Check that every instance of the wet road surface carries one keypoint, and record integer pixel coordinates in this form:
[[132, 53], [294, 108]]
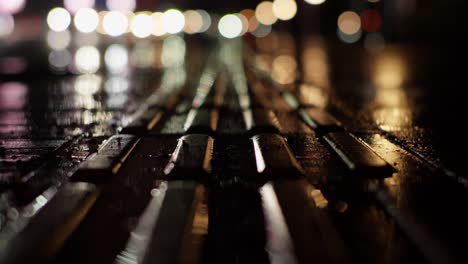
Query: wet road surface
[[250, 152]]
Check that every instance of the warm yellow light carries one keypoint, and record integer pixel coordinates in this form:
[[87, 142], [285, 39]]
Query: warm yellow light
[[86, 20], [284, 9], [193, 21], [115, 23], [141, 25], [158, 28], [87, 59], [349, 22], [315, 2], [264, 13], [230, 26], [173, 21], [284, 69], [58, 19]]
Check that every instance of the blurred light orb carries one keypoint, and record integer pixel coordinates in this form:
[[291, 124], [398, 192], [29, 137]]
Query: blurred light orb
[[141, 25], [284, 9], [371, 20], [58, 40], [88, 84], [349, 38], [315, 2], [58, 19], [59, 60], [86, 20], [261, 31], [87, 59], [74, 5], [115, 23], [349, 23], [12, 6], [245, 23], [173, 21], [284, 69], [206, 20], [193, 21], [230, 26], [264, 13], [157, 28], [7, 24], [121, 5], [116, 59]]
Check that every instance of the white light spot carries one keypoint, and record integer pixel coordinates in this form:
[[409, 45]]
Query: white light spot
[[141, 25], [86, 20], [315, 2], [12, 6], [115, 23], [74, 5], [58, 19], [230, 26], [121, 5], [173, 21], [58, 40], [116, 58], [87, 59]]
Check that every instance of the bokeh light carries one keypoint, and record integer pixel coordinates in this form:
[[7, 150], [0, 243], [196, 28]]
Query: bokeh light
[[193, 21], [284, 68], [59, 60], [86, 20], [206, 20], [349, 23], [371, 20], [173, 21], [88, 84], [349, 38], [264, 13], [58, 40], [284, 9], [173, 52], [58, 19], [7, 24], [121, 5], [116, 59], [141, 25], [315, 2], [261, 30], [157, 24], [245, 24], [87, 59], [12, 6], [74, 5], [115, 23], [230, 26]]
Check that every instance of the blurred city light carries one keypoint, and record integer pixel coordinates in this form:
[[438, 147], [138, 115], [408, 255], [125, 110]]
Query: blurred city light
[[121, 5], [74, 5], [284, 9], [58, 19], [12, 6], [58, 40], [261, 30], [173, 51], [141, 25], [7, 24], [230, 26], [349, 38], [116, 59], [283, 69], [371, 20], [264, 13], [315, 2], [59, 60], [157, 24], [86, 20], [349, 23], [173, 21], [193, 21], [87, 59], [115, 23], [206, 20]]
